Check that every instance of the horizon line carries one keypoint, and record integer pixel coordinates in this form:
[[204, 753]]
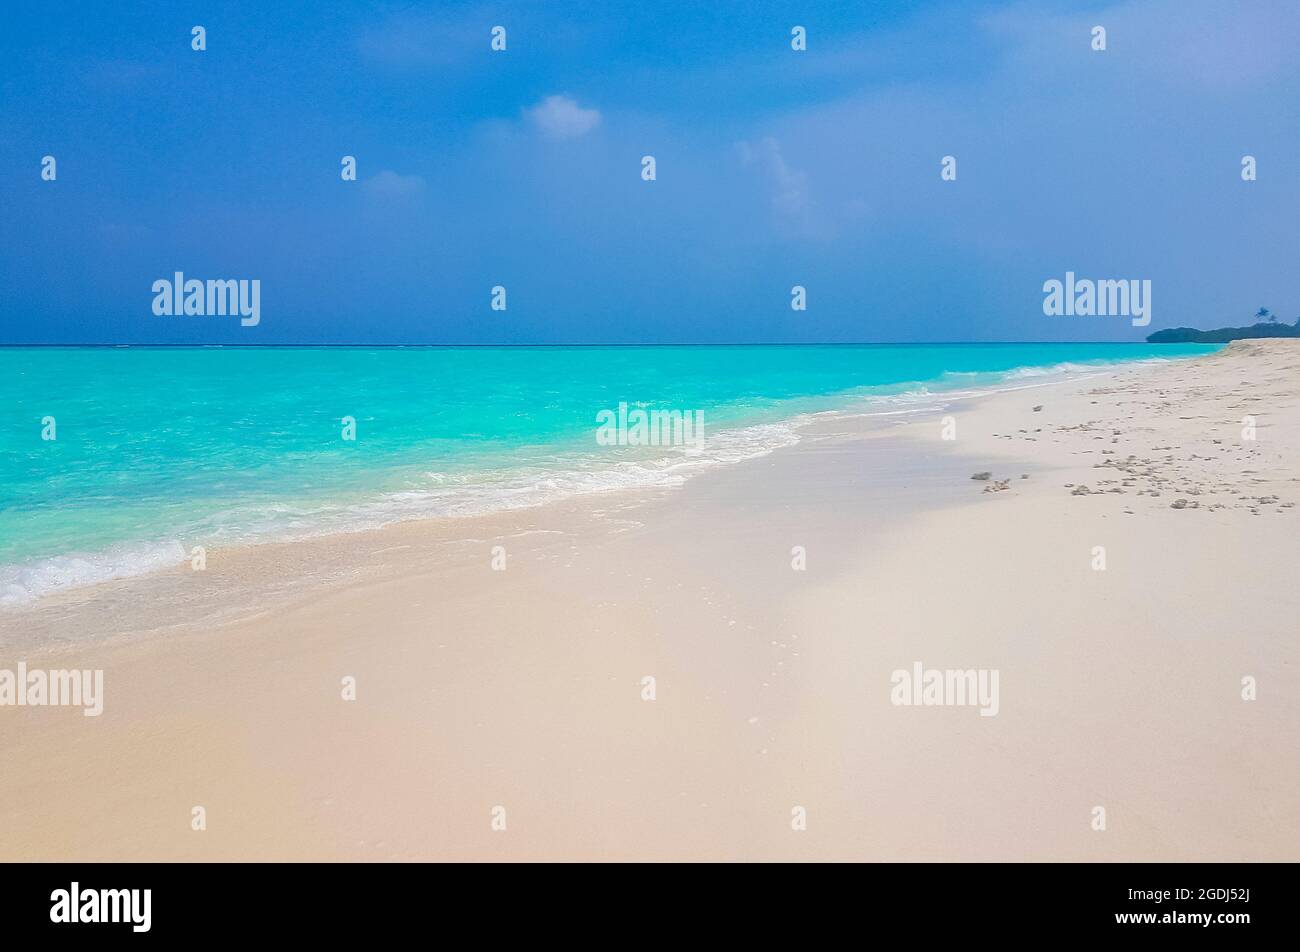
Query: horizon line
[[863, 343]]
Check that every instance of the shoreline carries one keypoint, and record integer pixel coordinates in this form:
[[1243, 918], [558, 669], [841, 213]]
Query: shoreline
[[853, 406], [523, 688]]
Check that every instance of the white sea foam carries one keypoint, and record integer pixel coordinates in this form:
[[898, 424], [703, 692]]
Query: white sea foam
[[447, 495], [27, 581], [535, 482], [1065, 369]]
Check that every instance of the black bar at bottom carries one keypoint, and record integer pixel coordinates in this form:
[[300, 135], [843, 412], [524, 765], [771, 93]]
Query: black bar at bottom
[[1213, 902]]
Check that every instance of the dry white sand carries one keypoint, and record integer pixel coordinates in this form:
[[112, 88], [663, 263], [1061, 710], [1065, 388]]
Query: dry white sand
[[522, 688]]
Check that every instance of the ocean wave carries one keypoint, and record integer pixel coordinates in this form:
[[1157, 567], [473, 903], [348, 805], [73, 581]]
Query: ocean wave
[[447, 495], [1067, 368], [541, 480], [26, 582]]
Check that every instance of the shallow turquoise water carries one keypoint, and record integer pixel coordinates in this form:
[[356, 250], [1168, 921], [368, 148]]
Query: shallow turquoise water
[[159, 449]]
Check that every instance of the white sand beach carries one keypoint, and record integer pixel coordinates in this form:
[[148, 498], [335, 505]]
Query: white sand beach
[[1119, 688]]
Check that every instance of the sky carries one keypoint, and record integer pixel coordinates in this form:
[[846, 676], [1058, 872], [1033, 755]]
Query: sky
[[522, 168]]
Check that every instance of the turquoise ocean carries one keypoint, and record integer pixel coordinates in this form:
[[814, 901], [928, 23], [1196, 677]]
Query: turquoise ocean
[[157, 450]]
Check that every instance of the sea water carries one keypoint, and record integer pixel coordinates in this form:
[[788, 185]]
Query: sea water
[[157, 450]]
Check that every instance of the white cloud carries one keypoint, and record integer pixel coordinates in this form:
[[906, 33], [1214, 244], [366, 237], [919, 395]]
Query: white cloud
[[559, 117], [1204, 44], [790, 193]]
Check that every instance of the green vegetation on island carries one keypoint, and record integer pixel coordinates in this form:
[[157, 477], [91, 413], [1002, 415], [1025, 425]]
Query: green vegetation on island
[[1268, 326]]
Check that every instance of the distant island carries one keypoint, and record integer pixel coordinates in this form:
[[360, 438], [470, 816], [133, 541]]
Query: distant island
[[1268, 327]]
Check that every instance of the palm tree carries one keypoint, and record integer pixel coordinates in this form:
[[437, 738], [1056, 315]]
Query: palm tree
[[1263, 313]]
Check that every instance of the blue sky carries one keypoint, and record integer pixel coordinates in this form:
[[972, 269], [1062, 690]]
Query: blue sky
[[522, 168]]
